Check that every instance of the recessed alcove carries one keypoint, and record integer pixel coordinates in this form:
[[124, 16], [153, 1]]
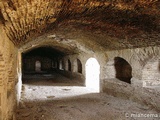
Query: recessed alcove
[[40, 62], [123, 70]]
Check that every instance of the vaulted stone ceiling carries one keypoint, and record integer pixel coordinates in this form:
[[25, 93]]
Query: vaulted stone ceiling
[[94, 24]]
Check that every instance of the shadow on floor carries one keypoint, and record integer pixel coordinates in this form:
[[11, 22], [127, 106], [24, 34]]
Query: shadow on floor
[[49, 79], [92, 106]]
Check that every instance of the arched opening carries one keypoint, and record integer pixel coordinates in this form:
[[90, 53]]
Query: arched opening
[[123, 70], [54, 64], [63, 65], [37, 66], [151, 73], [79, 66], [69, 65], [40, 63], [60, 64], [92, 74]]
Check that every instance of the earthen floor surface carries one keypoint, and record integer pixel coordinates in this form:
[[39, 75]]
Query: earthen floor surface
[[60, 98]]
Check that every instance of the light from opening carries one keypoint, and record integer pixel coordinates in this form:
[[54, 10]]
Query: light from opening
[[92, 74], [38, 66]]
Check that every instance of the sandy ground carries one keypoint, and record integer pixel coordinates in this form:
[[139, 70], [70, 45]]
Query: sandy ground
[[60, 98]]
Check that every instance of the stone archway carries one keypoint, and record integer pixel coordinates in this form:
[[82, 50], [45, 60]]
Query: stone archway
[[37, 66], [123, 69], [120, 69], [151, 73], [79, 66], [61, 65], [92, 74], [69, 65]]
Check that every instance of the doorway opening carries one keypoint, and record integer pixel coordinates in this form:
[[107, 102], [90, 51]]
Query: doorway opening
[[69, 65], [79, 66], [37, 66], [92, 74], [40, 63]]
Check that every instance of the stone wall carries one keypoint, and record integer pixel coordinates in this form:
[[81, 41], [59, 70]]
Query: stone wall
[[151, 73], [73, 66], [29, 63], [141, 66], [81, 60], [144, 86], [8, 77], [137, 58]]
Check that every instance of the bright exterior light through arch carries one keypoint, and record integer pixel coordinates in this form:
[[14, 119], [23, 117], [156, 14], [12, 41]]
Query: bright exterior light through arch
[[37, 66], [92, 74]]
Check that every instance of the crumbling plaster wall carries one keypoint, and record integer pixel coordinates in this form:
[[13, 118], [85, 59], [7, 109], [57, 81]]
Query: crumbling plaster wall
[[8, 76]]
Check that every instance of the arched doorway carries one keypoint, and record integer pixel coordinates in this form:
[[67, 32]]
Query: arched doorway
[[69, 65], [92, 74], [60, 64], [37, 66], [123, 70], [79, 66]]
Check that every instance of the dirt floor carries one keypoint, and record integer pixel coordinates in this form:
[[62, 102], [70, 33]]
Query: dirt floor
[[60, 98]]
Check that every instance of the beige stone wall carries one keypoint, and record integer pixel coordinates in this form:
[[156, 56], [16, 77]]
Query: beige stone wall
[[144, 63], [144, 86], [138, 58], [8, 76], [83, 57], [29, 63]]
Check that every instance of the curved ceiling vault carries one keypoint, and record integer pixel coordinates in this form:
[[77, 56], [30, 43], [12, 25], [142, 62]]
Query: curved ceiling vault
[[82, 25]]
